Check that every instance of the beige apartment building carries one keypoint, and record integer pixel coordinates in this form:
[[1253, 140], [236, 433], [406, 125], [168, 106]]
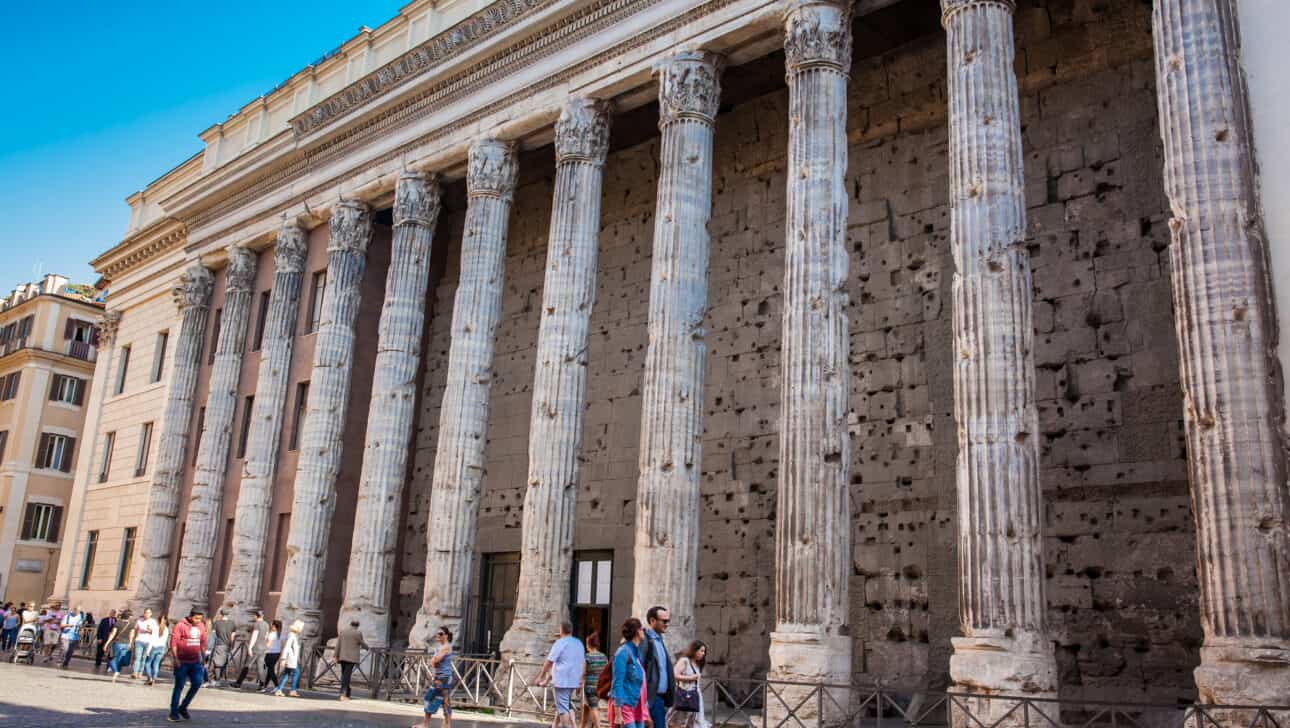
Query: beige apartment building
[[49, 337]]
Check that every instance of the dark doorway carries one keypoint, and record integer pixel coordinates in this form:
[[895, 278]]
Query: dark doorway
[[496, 604]]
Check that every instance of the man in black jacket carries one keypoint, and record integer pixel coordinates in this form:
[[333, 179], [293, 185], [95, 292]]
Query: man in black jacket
[[660, 683], [106, 625]]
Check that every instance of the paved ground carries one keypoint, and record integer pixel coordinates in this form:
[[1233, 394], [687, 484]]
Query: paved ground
[[45, 697]]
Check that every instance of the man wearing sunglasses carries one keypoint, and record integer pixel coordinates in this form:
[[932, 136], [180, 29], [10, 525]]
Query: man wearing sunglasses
[[660, 687]]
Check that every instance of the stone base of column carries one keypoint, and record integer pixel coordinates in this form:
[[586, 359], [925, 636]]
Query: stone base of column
[[1023, 666], [421, 636], [1252, 672], [820, 664], [528, 641]]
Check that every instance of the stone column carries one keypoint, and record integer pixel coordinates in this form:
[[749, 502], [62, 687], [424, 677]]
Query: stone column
[[811, 641], [321, 436], [463, 420], [667, 496], [255, 494], [1234, 408], [391, 410], [1005, 647], [193, 296], [560, 381], [206, 503]]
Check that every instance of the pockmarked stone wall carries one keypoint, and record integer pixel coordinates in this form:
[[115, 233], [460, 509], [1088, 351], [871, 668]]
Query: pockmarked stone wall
[[1120, 548]]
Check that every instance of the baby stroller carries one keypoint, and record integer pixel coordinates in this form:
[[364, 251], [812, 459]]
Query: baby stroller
[[25, 646]]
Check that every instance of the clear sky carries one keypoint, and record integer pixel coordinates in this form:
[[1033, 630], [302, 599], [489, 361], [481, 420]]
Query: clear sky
[[104, 97]]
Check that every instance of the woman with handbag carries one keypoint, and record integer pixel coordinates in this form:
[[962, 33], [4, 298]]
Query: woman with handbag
[[687, 710]]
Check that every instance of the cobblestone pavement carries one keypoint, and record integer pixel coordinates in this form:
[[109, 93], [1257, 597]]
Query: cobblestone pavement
[[46, 697]]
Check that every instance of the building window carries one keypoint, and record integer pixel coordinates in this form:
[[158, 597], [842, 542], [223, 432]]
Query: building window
[[247, 408], [91, 548], [316, 295], [159, 356], [279, 563], [593, 573], [127, 555], [105, 465], [9, 385], [55, 452], [24, 326], [40, 523], [193, 446], [145, 447], [81, 332], [122, 369], [63, 388], [4, 440], [298, 415], [219, 319], [258, 340]]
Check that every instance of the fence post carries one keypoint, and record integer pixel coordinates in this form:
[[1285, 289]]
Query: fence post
[[510, 687]]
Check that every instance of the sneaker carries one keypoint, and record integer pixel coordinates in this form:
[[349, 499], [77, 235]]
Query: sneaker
[[184, 712], [173, 718], [278, 693], [294, 694]]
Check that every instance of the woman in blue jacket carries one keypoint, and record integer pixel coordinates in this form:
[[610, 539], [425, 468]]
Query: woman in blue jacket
[[629, 705]]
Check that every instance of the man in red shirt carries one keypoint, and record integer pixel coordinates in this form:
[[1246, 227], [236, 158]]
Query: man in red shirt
[[188, 644]]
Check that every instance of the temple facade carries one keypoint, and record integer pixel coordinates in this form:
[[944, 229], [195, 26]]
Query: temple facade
[[925, 342]]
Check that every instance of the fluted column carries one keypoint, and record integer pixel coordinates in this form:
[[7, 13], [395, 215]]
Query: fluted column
[[321, 437], [1234, 408], [193, 296], [560, 381], [811, 640], [667, 494], [255, 494], [451, 525], [1005, 647], [206, 501], [391, 410]]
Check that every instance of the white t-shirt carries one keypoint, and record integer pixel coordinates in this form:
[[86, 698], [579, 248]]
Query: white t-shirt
[[144, 630], [161, 639], [275, 642]]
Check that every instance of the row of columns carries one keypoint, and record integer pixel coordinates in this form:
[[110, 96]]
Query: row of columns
[[1233, 388]]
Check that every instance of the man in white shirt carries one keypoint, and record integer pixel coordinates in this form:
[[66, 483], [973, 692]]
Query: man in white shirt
[[71, 637], [567, 660]]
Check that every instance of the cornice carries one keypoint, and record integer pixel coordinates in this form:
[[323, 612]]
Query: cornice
[[153, 240]]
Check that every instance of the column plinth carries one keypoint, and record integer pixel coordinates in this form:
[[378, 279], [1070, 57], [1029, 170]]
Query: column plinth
[[452, 522], [667, 495], [391, 411], [242, 593], [560, 381], [192, 296], [322, 434]]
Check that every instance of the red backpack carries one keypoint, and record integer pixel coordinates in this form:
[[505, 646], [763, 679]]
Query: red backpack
[[605, 683]]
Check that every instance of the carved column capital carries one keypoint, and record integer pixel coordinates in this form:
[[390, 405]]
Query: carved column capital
[[239, 276], [290, 250], [492, 169], [109, 323], [416, 199], [689, 87], [350, 227], [949, 8], [817, 33], [194, 287], [582, 132]]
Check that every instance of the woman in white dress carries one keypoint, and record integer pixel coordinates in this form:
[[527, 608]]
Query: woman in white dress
[[689, 678]]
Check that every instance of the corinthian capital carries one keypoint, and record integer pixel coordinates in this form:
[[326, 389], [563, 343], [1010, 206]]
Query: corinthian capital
[[689, 86], [290, 250], [492, 169], [194, 287], [582, 132], [108, 325], [817, 33], [350, 227], [950, 7], [239, 277], [416, 199]]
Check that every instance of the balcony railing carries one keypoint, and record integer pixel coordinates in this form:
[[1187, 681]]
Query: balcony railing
[[76, 349], [82, 350]]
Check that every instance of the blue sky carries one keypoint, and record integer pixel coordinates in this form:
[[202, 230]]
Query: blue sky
[[102, 98]]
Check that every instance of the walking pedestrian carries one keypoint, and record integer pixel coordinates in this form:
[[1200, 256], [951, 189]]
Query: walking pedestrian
[[188, 644], [145, 628], [290, 662], [118, 644], [101, 636], [349, 646], [687, 710], [71, 628], [256, 642], [565, 662], [659, 680], [222, 630], [50, 633], [157, 650], [439, 695], [629, 704], [596, 661], [9, 628], [273, 653]]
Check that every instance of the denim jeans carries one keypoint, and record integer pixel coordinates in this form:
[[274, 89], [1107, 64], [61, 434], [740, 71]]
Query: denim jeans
[[186, 672], [140, 656], [7, 637], [153, 663], [120, 657], [658, 711], [292, 674]]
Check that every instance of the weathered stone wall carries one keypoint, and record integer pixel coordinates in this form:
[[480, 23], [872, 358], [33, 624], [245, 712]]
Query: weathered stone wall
[[1121, 582]]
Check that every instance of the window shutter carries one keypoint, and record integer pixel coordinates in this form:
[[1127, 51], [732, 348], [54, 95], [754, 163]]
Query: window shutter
[[66, 465], [14, 380], [41, 450], [69, 328], [94, 336], [80, 392], [27, 519], [53, 387], [56, 521]]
